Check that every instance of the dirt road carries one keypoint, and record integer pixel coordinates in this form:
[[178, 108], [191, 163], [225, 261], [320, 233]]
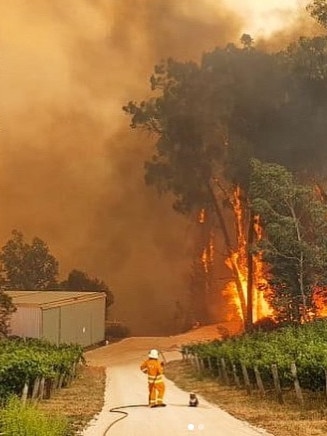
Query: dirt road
[[127, 385]]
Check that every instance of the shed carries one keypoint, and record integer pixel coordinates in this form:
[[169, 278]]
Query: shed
[[59, 316]]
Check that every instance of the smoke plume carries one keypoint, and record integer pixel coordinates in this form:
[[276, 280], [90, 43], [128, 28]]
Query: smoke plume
[[71, 170]]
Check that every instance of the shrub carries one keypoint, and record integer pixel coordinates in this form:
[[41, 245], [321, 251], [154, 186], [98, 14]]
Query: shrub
[[17, 419]]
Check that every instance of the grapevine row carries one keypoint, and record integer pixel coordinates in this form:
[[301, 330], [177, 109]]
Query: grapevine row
[[27, 363], [304, 346]]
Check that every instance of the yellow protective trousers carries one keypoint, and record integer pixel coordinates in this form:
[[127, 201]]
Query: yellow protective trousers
[[156, 392], [154, 369]]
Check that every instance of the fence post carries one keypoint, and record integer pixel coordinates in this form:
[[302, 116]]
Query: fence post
[[47, 388], [236, 377], [197, 363], [61, 380], [56, 381], [297, 386], [36, 387], [224, 370], [246, 379], [74, 370], [274, 371], [41, 393], [24, 393], [259, 381], [210, 365], [219, 371], [202, 367]]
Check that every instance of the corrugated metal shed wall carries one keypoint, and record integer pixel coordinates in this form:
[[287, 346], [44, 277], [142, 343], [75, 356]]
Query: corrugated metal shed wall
[[26, 322], [89, 318], [59, 317], [51, 325]]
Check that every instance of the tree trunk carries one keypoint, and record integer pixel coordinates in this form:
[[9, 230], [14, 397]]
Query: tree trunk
[[301, 265], [249, 313], [230, 251]]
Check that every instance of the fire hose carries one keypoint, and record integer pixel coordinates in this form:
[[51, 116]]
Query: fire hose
[[117, 409]]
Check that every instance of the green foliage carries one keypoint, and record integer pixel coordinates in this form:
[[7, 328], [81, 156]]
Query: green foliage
[[305, 345], [23, 361], [17, 419], [27, 266], [294, 245]]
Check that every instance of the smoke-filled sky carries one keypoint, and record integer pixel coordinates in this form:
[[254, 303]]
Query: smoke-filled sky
[[71, 170]]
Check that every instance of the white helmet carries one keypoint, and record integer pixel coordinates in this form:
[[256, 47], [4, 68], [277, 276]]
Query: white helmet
[[153, 354]]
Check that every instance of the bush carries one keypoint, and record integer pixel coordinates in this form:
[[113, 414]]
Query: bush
[[17, 419]]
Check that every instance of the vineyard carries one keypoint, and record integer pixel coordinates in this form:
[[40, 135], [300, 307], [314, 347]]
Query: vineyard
[[32, 368], [291, 357]]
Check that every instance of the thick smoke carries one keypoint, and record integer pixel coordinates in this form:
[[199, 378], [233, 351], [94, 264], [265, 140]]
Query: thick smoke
[[71, 169]]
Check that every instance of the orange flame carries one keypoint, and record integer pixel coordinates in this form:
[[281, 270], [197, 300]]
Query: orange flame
[[261, 307], [207, 256], [320, 301]]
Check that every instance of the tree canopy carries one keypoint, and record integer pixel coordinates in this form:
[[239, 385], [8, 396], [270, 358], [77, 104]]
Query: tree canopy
[[80, 281], [206, 119], [32, 266], [7, 308], [294, 245], [210, 119], [27, 266], [318, 10]]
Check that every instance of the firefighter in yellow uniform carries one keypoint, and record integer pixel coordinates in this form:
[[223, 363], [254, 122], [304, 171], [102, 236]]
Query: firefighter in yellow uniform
[[154, 369]]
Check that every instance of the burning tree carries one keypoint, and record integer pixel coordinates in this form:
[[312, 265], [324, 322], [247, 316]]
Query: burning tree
[[295, 241], [210, 120], [200, 156]]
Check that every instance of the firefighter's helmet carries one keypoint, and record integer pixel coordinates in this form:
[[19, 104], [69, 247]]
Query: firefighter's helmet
[[153, 354]]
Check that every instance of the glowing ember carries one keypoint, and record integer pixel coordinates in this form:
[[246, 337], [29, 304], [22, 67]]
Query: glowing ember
[[208, 255], [202, 216]]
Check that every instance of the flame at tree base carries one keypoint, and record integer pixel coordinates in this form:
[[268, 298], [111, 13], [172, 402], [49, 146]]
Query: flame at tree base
[[236, 290], [237, 262]]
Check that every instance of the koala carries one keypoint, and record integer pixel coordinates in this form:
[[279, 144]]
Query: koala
[[193, 402]]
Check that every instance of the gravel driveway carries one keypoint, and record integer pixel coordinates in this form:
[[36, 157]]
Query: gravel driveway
[[127, 386]]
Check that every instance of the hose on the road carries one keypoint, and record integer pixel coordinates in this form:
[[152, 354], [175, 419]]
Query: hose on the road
[[117, 409], [125, 414]]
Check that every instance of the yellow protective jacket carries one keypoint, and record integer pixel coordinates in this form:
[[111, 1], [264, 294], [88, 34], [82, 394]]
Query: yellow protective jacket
[[154, 369]]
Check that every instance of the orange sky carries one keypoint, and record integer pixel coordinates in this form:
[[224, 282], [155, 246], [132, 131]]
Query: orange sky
[[71, 170]]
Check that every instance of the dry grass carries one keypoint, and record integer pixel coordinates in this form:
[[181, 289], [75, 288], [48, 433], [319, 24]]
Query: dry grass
[[289, 419], [81, 400], [84, 399]]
